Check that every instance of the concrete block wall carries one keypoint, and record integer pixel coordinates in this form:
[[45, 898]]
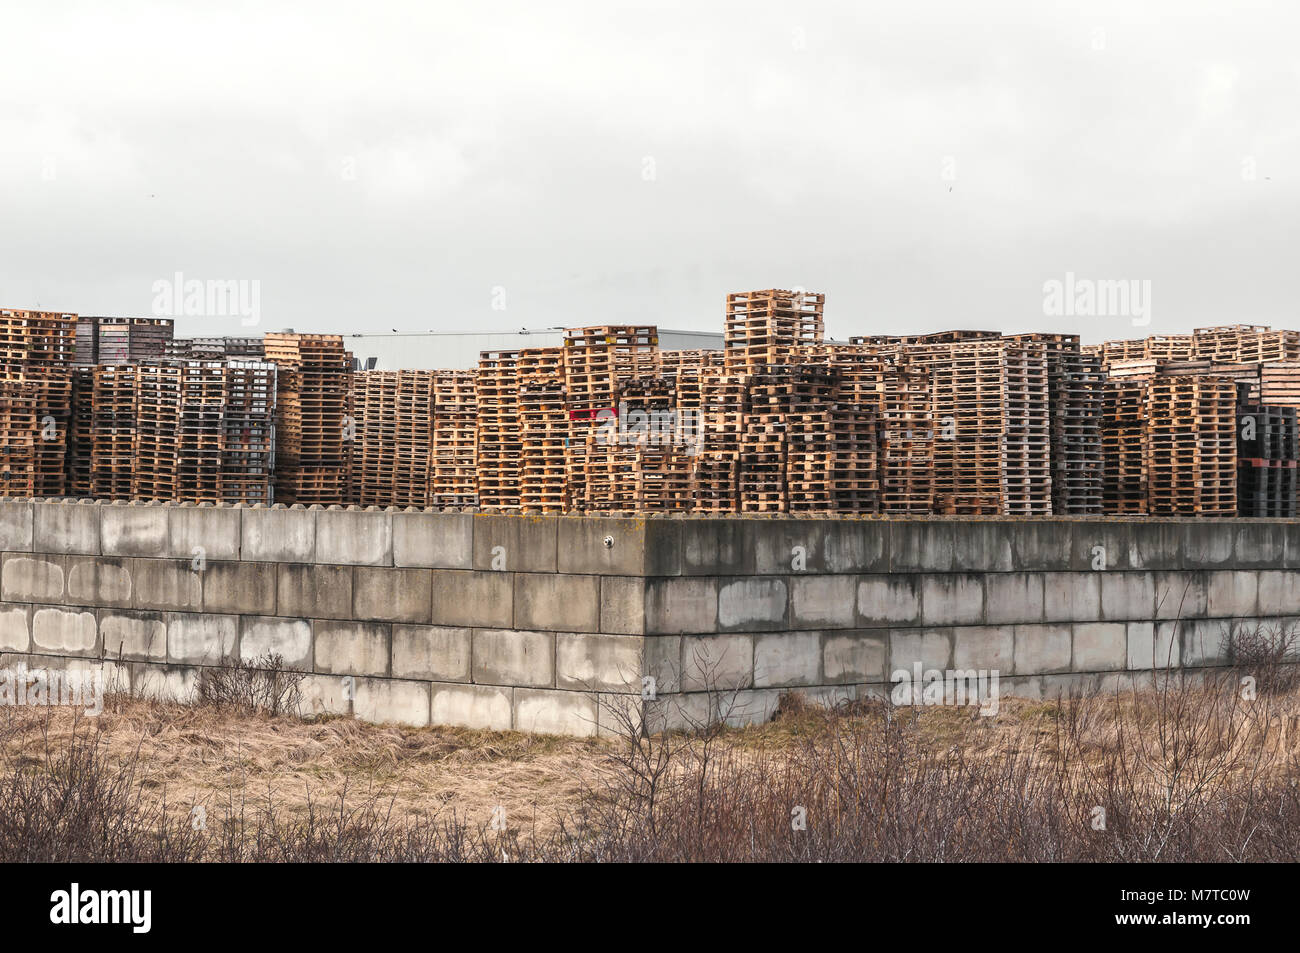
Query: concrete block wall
[[556, 624]]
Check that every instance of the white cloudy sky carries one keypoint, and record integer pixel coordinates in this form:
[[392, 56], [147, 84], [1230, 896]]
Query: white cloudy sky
[[387, 165]]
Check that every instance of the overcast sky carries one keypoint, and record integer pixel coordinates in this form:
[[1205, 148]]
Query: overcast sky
[[498, 165]]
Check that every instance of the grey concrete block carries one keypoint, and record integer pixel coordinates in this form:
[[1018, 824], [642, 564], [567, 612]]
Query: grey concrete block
[[823, 602], [1128, 596], [1204, 642], [717, 662], [1206, 545], [663, 663], [620, 546], [1259, 545], [752, 604], [203, 533], [314, 592], [557, 602], [132, 530], [787, 659], [506, 657], [325, 695], [1279, 592], [781, 547], [716, 548], [681, 605], [1099, 646], [167, 683], [66, 528], [473, 598], [15, 628], [239, 588], [622, 605], [1013, 597], [555, 712], [351, 648], [166, 584], [354, 537], [922, 546], [611, 663], [15, 526], [1181, 594], [433, 652], [1072, 596], [204, 639], [952, 599], [1231, 594], [472, 706], [392, 701], [853, 546], [133, 636], [32, 578], [98, 581], [932, 648], [433, 540], [857, 656], [1041, 649], [1042, 546], [1152, 645], [278, 535], [885, 600], [290, 639], [988, 647], [392, 595], [64, 631], [983, 546], [507, 543]]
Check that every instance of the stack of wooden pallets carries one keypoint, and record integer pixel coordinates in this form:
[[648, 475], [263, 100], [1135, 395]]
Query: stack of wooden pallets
[[393, 412], [544, 429], [113, 431], [248, 432], [1244, 343], [1124, 459], [906, 439], [1191, 446], [781, 399], [770, 327], [37, 347], [18, 437], [1266, 460], [455, 430], [131, 340], [80, 431], [158, 432], [202, 406], [598, 361], [313, 431], [499, 459]]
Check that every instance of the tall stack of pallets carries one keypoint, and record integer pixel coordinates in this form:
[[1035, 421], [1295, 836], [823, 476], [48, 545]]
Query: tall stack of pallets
[[544, 429], [131, 340], [499, 459], [248, 432], [113, 431], [158, 432], [598, 360], [770, 327], [1124, 458], [455, 431], [1191, 446], [991, 404], [789, 412], [80, 431], [906, 439], [37, 347], [18, 437], [724, 403], [1266, 460], [202, 405], [393, 413], [313, 429]]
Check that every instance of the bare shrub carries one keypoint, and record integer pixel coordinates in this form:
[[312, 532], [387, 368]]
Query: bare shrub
[[1265, 651], [264, 684]]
